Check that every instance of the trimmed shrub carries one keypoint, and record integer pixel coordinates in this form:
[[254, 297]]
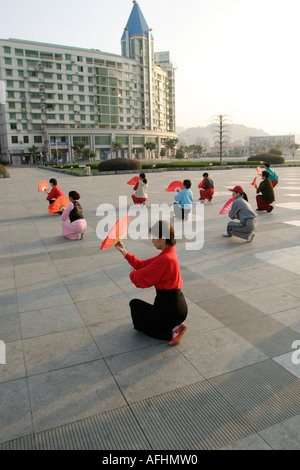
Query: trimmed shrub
[[4, 172], [266, 157], [120, 164]]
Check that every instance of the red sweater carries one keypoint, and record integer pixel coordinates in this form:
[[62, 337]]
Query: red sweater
[[54, 193], [162, 271]]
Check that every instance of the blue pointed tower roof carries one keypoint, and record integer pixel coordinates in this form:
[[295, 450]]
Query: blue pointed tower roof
[[136, 24]]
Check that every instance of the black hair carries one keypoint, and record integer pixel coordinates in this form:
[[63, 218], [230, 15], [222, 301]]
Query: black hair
[[143, 176], [265, 173], [187, 184], [267, 164], [245, 197], [163, 229], [53, 181], [74, 195]]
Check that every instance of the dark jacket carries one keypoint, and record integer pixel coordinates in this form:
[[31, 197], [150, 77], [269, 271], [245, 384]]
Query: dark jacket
[[76, 213], [266, 190]]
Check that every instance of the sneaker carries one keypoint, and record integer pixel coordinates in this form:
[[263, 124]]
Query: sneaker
[[259, 209], [225, 234], [177, 334], [270, 209], [250, 238]]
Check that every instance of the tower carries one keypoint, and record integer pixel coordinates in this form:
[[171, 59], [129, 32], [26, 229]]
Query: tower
[[137, 43]]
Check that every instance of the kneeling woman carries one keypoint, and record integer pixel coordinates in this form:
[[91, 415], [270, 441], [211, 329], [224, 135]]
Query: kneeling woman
[[141, 190], [241, 210], [77, 226], [164, 319]]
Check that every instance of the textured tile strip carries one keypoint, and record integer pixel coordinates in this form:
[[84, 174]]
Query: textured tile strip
[[264, 393], [193, 417]]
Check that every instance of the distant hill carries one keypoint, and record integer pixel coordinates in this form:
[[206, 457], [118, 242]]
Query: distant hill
[[238, 132]]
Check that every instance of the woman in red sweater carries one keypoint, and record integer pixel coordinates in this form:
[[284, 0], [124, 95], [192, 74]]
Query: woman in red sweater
[[164, 319]]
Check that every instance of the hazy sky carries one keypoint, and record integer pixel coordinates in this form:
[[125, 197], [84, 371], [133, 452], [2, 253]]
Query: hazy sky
[[233, 57]]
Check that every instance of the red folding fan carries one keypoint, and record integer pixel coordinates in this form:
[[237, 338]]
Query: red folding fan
[[43, 186], [174, 186], [117, 233], [258, 169], [58, 205], [226, 208], [133, 180], [254, 182]]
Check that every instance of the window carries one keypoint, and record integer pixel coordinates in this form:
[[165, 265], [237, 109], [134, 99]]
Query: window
[[26, 139], [30, 53], [7, 61], [9, 73], [9, 83], [20, 62], [68, 56], [60, 97], [37, 139], [13, 126], [6, 49], [14, 139], [102, 140]]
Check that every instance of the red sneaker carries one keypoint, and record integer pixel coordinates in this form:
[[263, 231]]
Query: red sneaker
[[177, 334]]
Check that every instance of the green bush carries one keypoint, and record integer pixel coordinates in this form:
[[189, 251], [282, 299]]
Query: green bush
[[4, 172], [267, 157], [119, 164]]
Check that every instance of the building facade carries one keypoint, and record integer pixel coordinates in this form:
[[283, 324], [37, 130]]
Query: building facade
[[55, 96], [268, 141]]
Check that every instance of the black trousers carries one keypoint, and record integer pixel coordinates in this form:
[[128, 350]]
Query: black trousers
[[158, 320]]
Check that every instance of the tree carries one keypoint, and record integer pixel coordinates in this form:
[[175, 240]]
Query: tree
[[163, 153], [117, 145], [89, 154], [58, 156], [294, 147], [78, 148], [180, 153], [276, 150], [150, 146], [33, 151], [171, 144], [220, 129]]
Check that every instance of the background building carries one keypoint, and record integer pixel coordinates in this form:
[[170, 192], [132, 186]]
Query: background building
[[265, 143], [56, 96]]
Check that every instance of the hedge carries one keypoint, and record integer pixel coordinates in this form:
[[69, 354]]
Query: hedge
[[267, 157], [119, 164]]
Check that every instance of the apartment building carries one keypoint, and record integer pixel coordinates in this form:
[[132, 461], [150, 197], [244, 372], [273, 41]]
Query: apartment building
[[54, 96]]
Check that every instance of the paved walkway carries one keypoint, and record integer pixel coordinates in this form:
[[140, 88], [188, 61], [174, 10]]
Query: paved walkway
[[77, 376]]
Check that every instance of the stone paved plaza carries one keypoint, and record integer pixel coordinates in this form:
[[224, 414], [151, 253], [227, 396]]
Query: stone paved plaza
[[78, 376]]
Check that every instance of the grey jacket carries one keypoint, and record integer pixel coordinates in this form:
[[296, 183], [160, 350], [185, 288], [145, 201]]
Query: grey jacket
[[241, 209]]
